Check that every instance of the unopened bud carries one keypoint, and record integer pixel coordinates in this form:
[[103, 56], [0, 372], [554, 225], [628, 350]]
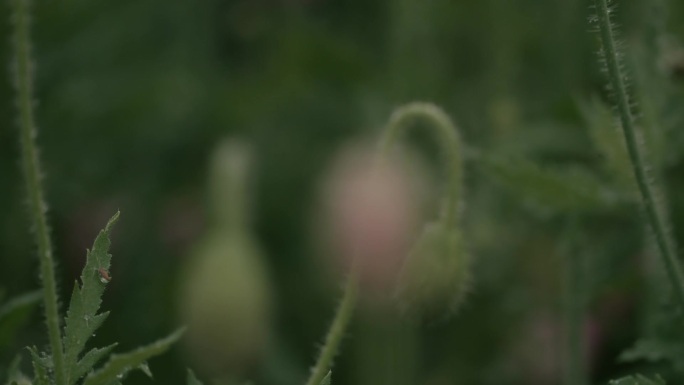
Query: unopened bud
[[225, 299], [371, 209], [436, 276]]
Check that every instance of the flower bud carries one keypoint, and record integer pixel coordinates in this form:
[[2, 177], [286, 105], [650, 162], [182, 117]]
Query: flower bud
[[225, 298], [225, 304], [370, 210], [436, 275]]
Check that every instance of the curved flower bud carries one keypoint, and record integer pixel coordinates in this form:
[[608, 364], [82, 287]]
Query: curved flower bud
[[436, 275]]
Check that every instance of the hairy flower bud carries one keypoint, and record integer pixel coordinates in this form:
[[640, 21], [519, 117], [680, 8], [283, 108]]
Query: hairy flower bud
[[435, 278]]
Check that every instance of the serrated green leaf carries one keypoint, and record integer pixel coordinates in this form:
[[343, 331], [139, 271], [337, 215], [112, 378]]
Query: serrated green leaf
[[567, 188], [41, 367], [661, 341], [638, 380], [650, 349], [82, 319], [192, 379], [120, 364], [90, 359], [326, 379]]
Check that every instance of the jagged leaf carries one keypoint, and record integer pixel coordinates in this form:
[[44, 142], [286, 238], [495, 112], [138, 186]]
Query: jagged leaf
[[637, 380], [662, 338], [326, 379], [82, 318], [120, 364], [14, 312], [41, 367], [567, 188], [90, 359], [192, 379], [145, 368]]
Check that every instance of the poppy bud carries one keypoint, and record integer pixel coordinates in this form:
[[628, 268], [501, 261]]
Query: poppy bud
[[225, 304], [370, 210], [225, 299], [436, 275]]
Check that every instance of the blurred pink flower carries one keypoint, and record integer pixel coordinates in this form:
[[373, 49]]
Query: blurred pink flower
[[371, 209]]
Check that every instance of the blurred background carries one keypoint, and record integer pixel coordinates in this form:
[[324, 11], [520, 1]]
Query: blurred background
[[134, 96]]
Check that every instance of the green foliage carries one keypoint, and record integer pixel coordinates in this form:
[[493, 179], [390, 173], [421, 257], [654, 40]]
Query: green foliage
[[662, 341], [41, 367], [637, 380], [82, 319], [299, 77], [617, 78], [563, 189], [120, 364]]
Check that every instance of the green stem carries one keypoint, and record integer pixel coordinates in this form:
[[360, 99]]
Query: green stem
[[657, 222], [31, 165], [336, 332], [449, 139]]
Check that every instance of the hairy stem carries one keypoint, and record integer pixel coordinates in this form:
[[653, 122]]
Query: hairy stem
[[336, 332], [31, 166], [448, 137], [655, 218]]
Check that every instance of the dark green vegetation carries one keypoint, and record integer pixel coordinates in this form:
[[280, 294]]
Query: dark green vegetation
[[567, 286]]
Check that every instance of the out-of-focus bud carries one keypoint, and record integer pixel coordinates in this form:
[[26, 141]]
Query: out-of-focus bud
[[225, 299], [436, 276], [371, 208]]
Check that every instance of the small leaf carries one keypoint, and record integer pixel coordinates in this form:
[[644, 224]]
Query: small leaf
[[121, 364], [90, 359], [41, 367], [82, 319], [192, 379], [326, 379]]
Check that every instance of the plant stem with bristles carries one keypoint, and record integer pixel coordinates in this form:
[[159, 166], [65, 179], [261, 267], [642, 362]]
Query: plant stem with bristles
[[31, 166], [448, 137], [337, 330], [655, 218]]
